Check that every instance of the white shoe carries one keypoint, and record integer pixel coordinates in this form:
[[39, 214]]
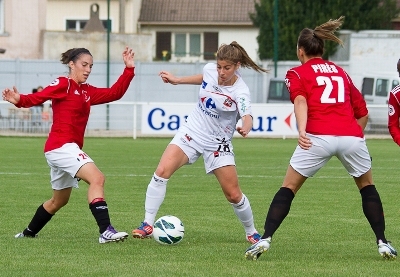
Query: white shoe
[[111, 235], [255, 251], [21, 235], [386, 250]]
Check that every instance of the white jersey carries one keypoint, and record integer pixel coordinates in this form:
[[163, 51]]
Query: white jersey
[[218, 110]]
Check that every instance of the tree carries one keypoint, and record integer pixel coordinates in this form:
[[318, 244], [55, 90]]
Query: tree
[[294, 15]]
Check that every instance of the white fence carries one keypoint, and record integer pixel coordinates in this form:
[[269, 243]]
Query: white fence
[[149, 119]]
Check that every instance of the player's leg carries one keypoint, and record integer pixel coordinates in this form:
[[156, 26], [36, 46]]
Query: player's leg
[[356, 159], [373, 211], [228, 179], [45, 212], [303, 164], [62, 184], [97, 203], [175, 156]]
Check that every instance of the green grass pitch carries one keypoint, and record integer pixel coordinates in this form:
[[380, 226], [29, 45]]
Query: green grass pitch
[[325, 233]]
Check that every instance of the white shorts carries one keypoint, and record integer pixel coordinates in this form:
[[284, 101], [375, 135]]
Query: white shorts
[[64, 163], [214, 157], [352, 152]]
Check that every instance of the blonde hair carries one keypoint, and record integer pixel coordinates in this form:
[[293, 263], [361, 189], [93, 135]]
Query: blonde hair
[[235, 53]]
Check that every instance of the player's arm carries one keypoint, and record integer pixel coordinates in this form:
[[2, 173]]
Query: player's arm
[[57, 89], [298, 98], [167, 77], [115, 92], [300, 111], [247, 124], [119, 88], [362, 121], [358, 104], [394, 113]]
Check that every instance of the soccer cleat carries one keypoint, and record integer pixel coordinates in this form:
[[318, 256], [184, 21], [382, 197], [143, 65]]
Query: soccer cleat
[[254, 238], [143, 231], [255, 251], [386, 250], [21, 235], [112, 235]]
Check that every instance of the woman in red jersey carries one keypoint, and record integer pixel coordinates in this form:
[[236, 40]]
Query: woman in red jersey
[[331, 115], [394, 111], [71, 98]]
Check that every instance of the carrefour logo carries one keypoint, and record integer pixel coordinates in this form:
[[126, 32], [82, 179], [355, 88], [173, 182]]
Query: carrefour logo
[[274, 120], [209, 103]]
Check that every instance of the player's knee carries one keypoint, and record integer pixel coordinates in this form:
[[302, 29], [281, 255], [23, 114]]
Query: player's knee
[[97, 180], [234, 197], [163, 172], [56, 204]]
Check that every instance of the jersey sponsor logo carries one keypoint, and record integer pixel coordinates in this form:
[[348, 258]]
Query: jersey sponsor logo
[[210, 104], [55, 82], [206, 105], [391, 110], [77, 92], [209, 113], [216, 88], [222, 154], [203, 84], [242, 104]]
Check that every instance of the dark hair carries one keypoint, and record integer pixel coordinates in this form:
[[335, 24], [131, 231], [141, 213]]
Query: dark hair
[[312, 41], [34, 90], [73, 54], [235, 53]]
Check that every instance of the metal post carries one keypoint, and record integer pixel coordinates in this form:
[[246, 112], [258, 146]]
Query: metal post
[[108, 63], [276, 45]]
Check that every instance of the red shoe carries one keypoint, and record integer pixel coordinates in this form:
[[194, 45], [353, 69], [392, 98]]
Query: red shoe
[[254, 238], [143, 231]]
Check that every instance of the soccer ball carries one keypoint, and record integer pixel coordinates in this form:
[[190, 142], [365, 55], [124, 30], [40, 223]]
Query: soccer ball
[[168, 230]]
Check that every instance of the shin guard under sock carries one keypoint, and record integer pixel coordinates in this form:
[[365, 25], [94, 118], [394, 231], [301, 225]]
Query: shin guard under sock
[[278, 210], [38, 221], [373, 211], [99, 210]]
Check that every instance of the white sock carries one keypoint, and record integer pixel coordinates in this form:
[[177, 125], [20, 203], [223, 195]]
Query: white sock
[[154, 198], [245, 214]]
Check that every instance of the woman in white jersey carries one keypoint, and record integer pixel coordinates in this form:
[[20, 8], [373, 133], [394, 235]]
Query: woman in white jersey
[[223, 99]]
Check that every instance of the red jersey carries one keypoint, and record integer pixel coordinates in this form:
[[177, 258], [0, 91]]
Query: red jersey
[[334, 103], [394, 114], [71, 106]]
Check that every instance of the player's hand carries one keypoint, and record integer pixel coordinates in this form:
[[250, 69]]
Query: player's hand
[[242, 132], [11, 95], [128, 57], [168, 77], [304, 141]]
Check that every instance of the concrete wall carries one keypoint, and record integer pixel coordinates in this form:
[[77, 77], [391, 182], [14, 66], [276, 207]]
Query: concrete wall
[[58, 11], [22, 27], [54, 43]]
